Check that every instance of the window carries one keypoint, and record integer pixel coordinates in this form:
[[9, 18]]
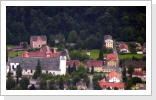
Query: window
[[46, 72], [26, 70], [31, 70], [12, 66]]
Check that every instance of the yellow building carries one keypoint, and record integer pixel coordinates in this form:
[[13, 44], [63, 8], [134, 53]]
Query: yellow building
[[97, 64], [111, 62], [109, 43]]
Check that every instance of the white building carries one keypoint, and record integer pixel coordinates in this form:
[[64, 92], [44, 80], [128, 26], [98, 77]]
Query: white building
[[56, 65], [114, 77]]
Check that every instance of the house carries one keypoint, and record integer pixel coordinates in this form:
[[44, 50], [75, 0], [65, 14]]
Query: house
[[108, 42], [139, 52], [56, 38], [88, 53], [123, 48], [71, 63], [45, 52], [113, 77], [112, 86], [111, 59], [81, 85], [140, 74], [97, 64], [38, 41], [140, 86], [136, 64], [21, 43], [55, 65]]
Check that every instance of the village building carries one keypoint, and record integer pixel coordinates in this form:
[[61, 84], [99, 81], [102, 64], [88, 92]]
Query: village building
[[71, 63], [38, 41], [140, 74], [55, 65], [45, 52], [111, 86], [81, 85], [97, 64], [113, 77], [108, 41], [136, 64], [111, 59], [123, 48]]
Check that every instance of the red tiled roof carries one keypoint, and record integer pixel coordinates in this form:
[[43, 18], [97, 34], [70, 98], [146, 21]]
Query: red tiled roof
[[95, 63], [102, 81], [113, 85], [140, 73], [71, 62], [111, 56], [45, 49], [111, 59], [113, 74], [39, 54], [123, 46], [38, 38]]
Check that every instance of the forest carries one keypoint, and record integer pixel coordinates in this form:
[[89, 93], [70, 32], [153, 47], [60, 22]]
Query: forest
[[83, 25]]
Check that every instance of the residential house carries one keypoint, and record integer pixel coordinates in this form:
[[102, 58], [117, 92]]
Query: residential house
[[81, 85], [55, 65], [108, 42], [140, 74], [105, 86], [38, 41], [88, 53], [111, 59], [56, 38], [136, 64], [140, 86], [123, 48], [97, 64], [113, 77], [45, 52], [71, 63]]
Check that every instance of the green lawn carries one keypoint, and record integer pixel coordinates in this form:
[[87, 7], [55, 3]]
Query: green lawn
[[10, 46], [14, 54], [129, 56], [94, 54]]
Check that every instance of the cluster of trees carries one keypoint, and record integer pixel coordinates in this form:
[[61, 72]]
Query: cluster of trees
[[129, 81], [78, 55], [97, 78], [83, 25]]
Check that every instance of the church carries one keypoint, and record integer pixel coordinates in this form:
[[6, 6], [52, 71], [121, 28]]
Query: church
[[54, 65]]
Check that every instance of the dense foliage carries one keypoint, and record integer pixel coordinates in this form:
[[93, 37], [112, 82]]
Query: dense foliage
[[83, 25]]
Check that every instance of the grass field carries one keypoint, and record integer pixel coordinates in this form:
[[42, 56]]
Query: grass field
[[10, 46], [94, 54], [129, 56], [14, 54]]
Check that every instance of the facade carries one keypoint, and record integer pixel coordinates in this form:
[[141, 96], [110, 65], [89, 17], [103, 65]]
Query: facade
[[97, 65], [113, 77], [123, 48], [56, 65], [136, 64], [38, 41]]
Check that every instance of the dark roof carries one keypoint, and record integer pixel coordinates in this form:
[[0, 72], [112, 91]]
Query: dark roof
[[31, 63], [107, 37], [95, 63], [36, 38], [71, 62], [63, 53], [136, 64]]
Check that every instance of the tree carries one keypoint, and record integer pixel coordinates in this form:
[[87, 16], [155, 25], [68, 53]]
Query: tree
[[19, 71], [6, 55], [115, 88], [101, 54], [69, 69], [92, 70], [24, 45], [51, 40], [81, 68], [43, 84], [140, 40], [32, 87], [61, 83], [74, 67], [9, 74], [53, 87], [17, 88], [72, 88], [144, 68], [136, 80], [128, 84], [10, 83], [72, 37], [130, 70], [24, 83], [38, 71]]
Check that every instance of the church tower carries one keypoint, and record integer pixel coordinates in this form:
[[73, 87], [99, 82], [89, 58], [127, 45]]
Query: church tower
[[63, 61]]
